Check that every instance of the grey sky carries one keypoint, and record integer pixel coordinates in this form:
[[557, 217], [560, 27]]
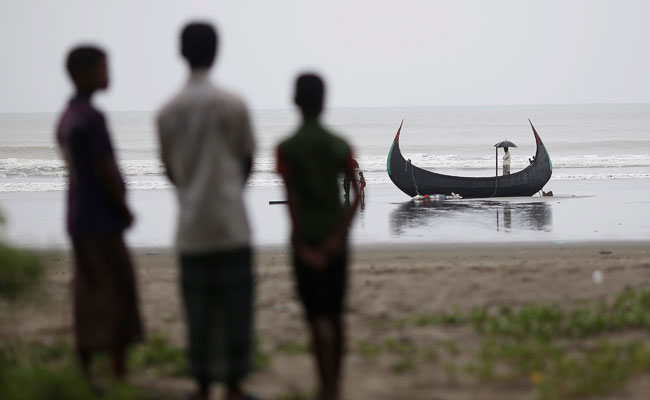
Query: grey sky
[[372, 53]]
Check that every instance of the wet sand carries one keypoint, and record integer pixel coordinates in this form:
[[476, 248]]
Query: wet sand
[[598, 210], [388, 284]]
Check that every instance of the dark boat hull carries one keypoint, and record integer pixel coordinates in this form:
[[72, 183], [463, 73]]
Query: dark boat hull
[[413, 180]]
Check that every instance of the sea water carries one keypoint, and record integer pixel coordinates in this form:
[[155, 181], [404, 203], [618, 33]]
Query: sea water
[[584, 142], [597, 151]]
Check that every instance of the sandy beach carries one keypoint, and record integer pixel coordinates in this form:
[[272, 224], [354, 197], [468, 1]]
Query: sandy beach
[[389, 285]]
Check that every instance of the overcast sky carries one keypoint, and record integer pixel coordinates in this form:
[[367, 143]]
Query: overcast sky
[[372, 53]]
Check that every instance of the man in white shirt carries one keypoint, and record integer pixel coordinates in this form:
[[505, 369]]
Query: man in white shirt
[[207, 146], [506, 161]]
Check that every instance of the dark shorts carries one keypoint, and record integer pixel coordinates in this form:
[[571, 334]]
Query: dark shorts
[[217, 290], [322, 291]]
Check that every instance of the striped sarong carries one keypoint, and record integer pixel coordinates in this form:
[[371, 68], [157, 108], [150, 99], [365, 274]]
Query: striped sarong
[[217, 290]]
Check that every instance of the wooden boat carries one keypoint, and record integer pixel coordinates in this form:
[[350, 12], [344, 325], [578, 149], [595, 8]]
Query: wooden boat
[[413, 180]]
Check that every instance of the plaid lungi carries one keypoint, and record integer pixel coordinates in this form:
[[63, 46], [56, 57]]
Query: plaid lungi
[[217, 290]]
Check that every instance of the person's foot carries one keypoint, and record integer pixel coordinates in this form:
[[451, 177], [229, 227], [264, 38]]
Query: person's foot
[[198, 396], [241, 396]]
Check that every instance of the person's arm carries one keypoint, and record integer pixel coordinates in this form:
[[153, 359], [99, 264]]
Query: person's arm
[[166, 165], [283, 168], [246, 141], [248, 167], [164, 157], [108, 175], [106, 169], [310, 256]]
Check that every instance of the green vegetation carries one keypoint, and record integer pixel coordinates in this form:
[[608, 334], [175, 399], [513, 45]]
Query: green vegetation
[[406, 353], [159, 357], [30, 371], [261, 358], [33, 371], [559, 371], [368, 349], [20, 271], [291, 348], [559, 352], [630, 310]]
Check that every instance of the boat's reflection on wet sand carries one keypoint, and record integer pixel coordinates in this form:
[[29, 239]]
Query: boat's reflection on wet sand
[[447, 216]]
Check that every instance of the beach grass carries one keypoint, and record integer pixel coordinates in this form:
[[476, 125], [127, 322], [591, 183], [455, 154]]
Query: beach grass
[[20, 272], [34, 371], [630, 310], [158, 357], [559, 353]]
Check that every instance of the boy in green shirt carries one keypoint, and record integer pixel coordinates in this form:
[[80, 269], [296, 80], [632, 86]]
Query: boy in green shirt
[[310, 163]]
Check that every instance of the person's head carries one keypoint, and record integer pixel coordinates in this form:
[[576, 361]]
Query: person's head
[[310, 94], [360, 174], [505, 149], [199, 43], [87, 68]]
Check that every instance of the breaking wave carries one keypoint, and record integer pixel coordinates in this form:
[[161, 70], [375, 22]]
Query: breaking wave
[[19, 174]]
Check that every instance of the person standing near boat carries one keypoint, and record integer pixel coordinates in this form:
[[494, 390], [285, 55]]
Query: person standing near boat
[[506, 161], [362, 186], [347, 179], [310, 162]]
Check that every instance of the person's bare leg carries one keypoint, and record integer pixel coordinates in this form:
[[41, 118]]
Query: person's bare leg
[[325, 348], [85, 361], [118, 360], [203, 390], [339, 337], [318, 357], [85, 358], [234, 391]]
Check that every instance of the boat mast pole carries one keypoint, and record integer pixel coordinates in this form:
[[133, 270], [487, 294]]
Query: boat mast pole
[[496, 161]]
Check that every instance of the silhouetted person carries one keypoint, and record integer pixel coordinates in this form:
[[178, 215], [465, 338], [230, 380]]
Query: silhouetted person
[[506, 161], [105, 307], [347, 179], [207, 146], [346, 186], [310, 163], [362, 186]]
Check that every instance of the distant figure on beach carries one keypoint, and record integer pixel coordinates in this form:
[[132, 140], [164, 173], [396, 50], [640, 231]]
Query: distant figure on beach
[[362, 186], [106, 316], [207, 147], [310, 162], [347, 179], [506, 161]]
